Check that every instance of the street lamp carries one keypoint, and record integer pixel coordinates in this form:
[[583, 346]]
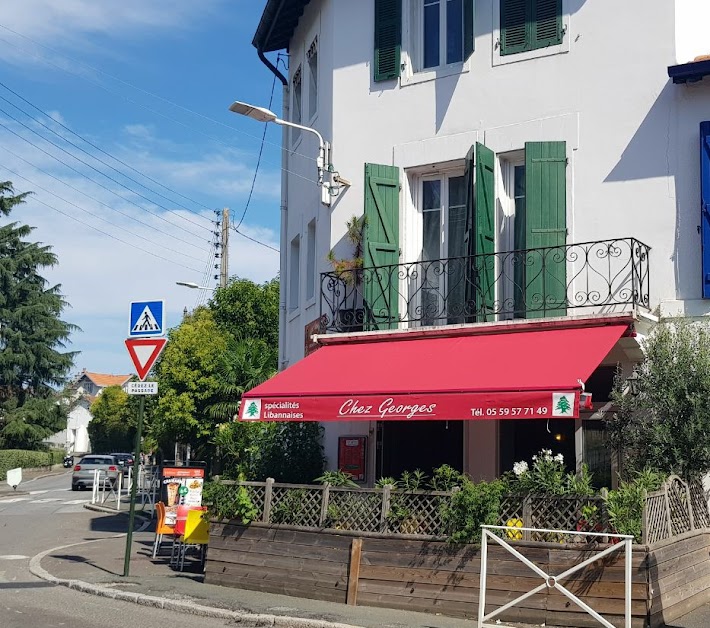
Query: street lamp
[[634, 383], [190, 284], [261, 114]]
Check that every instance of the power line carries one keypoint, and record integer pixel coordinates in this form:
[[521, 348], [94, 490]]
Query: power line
[[244, 235], [88, 165], [86, 211], [99, 149], [113, 237], [158, 113], [140, 89], [258, 160], [107, 206], [205, 276], [81, 174]]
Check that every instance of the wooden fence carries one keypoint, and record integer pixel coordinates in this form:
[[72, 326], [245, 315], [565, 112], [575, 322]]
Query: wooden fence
[[410, 573], [677, 508], [393, 511]]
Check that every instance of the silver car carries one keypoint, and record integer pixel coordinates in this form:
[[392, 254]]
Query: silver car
[[83, 475]]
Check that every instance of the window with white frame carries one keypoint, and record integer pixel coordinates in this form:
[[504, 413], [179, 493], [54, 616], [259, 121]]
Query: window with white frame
[[439, 33], [512, 230], [442, 199], [294, 287], [442, 32], [312, 56], [297, 104], [311, 261]]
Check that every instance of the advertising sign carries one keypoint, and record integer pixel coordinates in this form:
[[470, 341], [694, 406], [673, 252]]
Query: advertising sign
[[180, 486], [415, 407], [313, 328], [352, 456]]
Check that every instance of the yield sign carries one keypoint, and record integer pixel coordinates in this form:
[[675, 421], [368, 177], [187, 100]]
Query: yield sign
[[144, 352]]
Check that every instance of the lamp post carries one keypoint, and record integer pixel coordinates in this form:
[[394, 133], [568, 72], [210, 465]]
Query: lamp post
[[634, 383], [261, 114], [194, 286]]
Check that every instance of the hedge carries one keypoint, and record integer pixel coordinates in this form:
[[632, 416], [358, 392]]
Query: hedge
[[13, 458]]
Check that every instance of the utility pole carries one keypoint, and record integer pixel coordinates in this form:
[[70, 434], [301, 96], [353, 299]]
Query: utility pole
[[224, 245]]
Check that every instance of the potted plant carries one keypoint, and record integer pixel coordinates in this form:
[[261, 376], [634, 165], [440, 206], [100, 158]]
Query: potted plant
[[346, 313]]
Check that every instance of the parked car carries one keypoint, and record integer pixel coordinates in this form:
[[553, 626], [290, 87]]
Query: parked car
[[83, 474], [125, 460]]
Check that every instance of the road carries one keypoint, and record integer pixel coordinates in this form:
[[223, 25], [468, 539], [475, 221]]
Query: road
[[49, 516]]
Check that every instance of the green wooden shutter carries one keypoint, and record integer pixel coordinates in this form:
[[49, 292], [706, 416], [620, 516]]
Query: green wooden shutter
[[545, 226], [381, 246], [470, 272], [546, 23], [513, 26], [468, 35], [485, 229], [388, 39]]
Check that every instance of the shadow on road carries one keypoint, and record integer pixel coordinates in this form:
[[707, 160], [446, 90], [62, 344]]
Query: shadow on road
[[25, 585], [109, 523], [74, 558]]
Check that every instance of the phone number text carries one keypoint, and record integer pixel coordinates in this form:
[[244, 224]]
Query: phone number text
[[532, 411]]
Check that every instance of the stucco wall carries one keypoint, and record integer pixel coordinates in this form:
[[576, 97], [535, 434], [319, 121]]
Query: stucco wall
[[632, 136]]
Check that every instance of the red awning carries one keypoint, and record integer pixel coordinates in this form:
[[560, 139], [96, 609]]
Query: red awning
[[524, 374]]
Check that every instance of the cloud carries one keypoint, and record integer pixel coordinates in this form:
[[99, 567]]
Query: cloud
[[99, 274], [140, 131], [71, 23]]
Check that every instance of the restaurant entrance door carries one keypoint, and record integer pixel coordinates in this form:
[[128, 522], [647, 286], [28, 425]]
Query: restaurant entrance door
[[426, 445]]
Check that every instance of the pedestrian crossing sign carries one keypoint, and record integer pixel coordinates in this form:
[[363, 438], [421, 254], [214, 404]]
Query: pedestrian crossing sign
[[147, 318]]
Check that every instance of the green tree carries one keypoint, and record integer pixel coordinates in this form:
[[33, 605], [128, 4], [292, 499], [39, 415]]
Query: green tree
[[249, 310], [28, 425], [32, 336], [113, 425], [667, 424], [245, 363], [189, 384]]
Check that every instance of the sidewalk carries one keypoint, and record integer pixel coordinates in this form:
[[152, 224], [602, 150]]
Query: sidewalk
[[101, 563], [97, 567], [28, 475]]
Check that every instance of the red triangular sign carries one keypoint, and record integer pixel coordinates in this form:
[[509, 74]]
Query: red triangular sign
[[144, 352]]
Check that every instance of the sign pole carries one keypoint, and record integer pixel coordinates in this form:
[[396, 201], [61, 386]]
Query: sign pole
[[134, 484]]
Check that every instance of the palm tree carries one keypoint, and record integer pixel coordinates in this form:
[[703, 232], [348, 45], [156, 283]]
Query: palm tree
[[246, 363]]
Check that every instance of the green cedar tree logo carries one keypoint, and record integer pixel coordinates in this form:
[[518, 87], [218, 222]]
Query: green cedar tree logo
[[252, 410], [563, 406]]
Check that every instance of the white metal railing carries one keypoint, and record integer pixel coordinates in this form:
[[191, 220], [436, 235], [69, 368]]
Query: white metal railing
[[554, 581], [100, 494]]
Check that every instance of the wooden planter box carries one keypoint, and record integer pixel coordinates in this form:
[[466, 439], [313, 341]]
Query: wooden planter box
[[669, 579]]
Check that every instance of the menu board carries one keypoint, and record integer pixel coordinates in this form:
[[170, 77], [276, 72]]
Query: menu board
[[180, 486]]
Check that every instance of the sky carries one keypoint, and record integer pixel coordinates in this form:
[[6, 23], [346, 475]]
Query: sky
[[115, 115]]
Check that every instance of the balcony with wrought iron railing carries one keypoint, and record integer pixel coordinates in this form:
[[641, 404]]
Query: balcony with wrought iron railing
[[590, 278]]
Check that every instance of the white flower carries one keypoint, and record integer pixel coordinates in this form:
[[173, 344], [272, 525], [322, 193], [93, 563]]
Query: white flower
[[560, 458], [520, 467], [534, 458]]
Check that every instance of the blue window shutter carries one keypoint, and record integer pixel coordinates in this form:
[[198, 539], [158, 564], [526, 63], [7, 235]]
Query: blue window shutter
[[705, 203]]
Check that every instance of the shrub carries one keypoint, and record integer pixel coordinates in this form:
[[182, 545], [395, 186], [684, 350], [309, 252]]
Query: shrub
[[229, 501], [667, 420], [471, 507], [26, 459], [445, 478], [625, 504], [337, 478]]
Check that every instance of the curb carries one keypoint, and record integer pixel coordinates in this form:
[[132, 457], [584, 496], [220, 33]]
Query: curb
[[254, 619], [112, 511]]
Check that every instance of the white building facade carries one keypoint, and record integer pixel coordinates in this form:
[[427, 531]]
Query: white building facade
[[519, 162]]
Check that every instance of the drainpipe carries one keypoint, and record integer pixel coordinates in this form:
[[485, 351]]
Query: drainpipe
[[282, 363]]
